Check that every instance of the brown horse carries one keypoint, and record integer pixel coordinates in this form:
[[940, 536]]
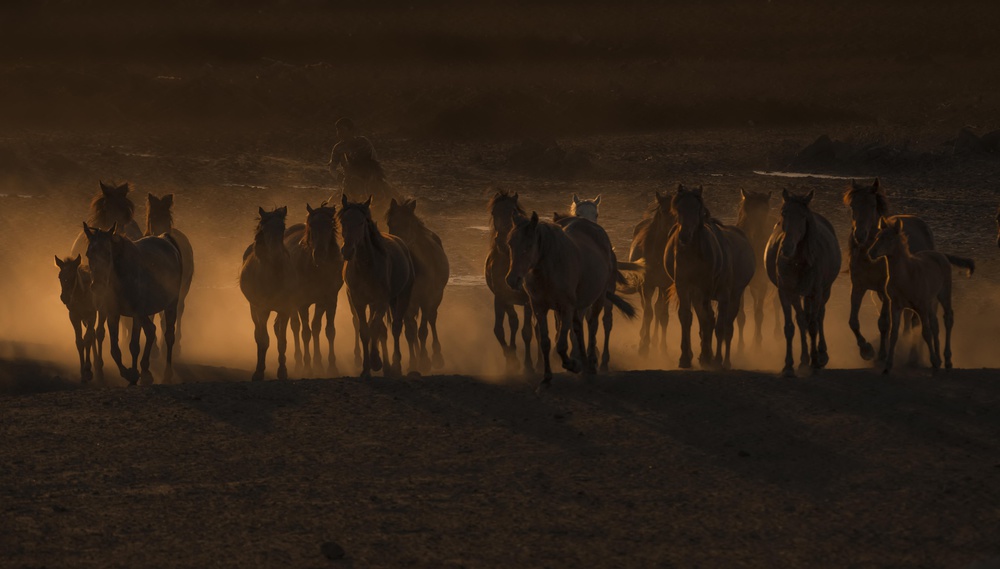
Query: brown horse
[[586, 209], [269, 282], [76, 293], [868, 205], [430, 273], [649, 241], [803, 259], [708, 262], [137, 280], [503, 207], [918, 281], [111, 206], [569, 270], [379, 275], [316, 258], [159, 221], [755, 220]]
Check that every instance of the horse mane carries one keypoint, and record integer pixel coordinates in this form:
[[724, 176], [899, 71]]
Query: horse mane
[[881, 203], [161, 213], [374, 234], [419, 226], [501, 195], [547, 236], [99, 209], [307, 234], [652, 213]]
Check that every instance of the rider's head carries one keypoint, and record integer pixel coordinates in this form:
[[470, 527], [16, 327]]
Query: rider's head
[[345, 128]]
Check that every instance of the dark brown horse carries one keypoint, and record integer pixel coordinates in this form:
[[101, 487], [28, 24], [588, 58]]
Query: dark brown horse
[[269, 283], [803, 260], [111, 206], [379, 275], [868, 204], [430, 270], [708, 262], [503, 207], [316, 258], [649, 241], [159, 221], [571, 271], [137, 280], [754, 218], [77, 294], [920, 282]]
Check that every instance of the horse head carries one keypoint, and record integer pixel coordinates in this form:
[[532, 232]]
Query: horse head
[[112, 206], [159, 217], [888, 238], [689, 209], [867, 204], [69, 277], [321, 230], [356, 225], [754, 206], [502, 207], [522, 242], [401, 217], [270, 234], [794, 221], [586, 209], [102, 248]]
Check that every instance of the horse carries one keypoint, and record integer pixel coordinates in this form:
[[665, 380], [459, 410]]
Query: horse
[[76, 293], [502, 207], [708, 261], [649, 241], [568, 270], [136, 279], [268, 281], [430, 273], [159, 221], [803, 259], [319, 265], [918, 281], [586, 209], [110, 206], [378, 271], [755, 220], [868, 205]]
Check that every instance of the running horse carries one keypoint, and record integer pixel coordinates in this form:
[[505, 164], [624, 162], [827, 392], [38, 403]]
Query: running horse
[[649, 242], [755, 220], [159, 221], [111, 206], [803, 259]]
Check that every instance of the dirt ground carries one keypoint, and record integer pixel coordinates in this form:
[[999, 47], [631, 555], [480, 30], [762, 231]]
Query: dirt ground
[[647, 466]]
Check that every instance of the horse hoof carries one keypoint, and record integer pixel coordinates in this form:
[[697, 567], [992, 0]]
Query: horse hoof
[[805, 369], [789, 371], [332, 371], [867, 352], [366, 374], [131, 376], [376, 362], [685, 363], [571, 366], [822, 359], [86, 375], [282, 372], [947, 365], [437, 362], [604, 367], [886, 370], [146, 377], [257, 376]]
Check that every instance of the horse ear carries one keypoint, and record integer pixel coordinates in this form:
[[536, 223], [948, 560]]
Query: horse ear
[[411, 205], [309, 208], [77, 260], [168, 199], [743, 193], [898, 225], [104, 189], [875, 186], [59, 262], [368, 202], [260, 211], [809, 197], [86, 230], [784, 194], [124, 188], [393, 204], [534, 219], [597, 200], [698, 190], [343, 199], [576, 200], [680, 188], [516, 195], [114, 228], [283, 210]]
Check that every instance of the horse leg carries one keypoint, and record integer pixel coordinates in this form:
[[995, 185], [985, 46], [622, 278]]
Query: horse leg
[[177, 323], [824, 356], [684, 315], [99, 332], [758, 316], [80, 347], [437, 360], [867, 352], [812, 319], [170, 341], [281, 335], [317, 327], [662, 317], [133, 348], [409, 325], [728, 328], [741, 320], [88, 341], [949, 320], [296, 322], [911, 324], [928, 323], [802, 319], [379, 335], [646, 294], [302, 315], [706, 325], [422, 333], [608, 322], [260, 336], [786, 310], [331, 333], [499, 310], [895, 315], [148, 326], [778, 321], [358, 341], [526, 331], [566, 324], [544, 343]]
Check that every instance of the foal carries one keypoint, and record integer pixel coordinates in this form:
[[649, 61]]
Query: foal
[[78, 297], [918, 281]]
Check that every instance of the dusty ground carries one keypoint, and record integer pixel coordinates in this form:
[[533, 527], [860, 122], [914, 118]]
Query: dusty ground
[[646, 466]]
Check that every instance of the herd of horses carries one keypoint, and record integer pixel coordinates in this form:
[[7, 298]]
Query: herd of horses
[[395, 280]]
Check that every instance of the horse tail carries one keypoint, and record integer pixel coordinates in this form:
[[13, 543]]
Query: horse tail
[[629, 283], [180, 256], [968, 264], [672, 293], [621, 304]]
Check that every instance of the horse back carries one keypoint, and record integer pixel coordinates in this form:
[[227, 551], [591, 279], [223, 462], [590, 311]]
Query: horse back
[[401, 273], [918, 233]]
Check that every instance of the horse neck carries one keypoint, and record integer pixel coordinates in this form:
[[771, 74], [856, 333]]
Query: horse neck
[[265, 252], [551, 249], [159, 225]]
